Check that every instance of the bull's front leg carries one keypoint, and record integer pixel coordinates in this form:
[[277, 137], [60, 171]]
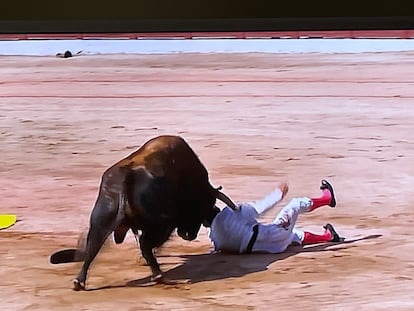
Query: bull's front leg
[[147, 250]]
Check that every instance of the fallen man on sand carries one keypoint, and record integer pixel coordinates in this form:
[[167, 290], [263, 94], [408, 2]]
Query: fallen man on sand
[[240, 231]]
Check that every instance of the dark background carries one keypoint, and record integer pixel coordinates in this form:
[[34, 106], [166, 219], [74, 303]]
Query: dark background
[[46, 16]]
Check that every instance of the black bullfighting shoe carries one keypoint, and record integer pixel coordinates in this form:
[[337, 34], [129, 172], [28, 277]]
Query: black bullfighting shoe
[[326, 185], [334, 234]]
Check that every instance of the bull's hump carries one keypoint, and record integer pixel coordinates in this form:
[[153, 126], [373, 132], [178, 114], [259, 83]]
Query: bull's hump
[[162, 142], [165, 143]]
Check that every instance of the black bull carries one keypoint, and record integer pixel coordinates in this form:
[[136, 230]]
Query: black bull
[[160, 187]]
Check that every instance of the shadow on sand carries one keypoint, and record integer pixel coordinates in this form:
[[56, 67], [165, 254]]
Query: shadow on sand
[[209, 267]]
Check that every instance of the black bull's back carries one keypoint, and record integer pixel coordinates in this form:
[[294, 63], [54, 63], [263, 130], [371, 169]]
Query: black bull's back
[[165, 183], [161, 187]]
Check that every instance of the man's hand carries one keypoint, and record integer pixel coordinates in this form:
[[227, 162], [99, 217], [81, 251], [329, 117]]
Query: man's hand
[[284, 188], [284, 223]]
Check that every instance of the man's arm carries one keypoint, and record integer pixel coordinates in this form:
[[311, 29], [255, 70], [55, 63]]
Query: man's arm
[[272, 199]]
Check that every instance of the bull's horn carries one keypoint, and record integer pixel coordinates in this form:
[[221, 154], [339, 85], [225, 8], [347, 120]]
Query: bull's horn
[[226, 200]]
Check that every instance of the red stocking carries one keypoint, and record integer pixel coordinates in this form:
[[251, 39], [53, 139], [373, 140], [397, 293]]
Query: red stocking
[[312, 238], [325, 199]]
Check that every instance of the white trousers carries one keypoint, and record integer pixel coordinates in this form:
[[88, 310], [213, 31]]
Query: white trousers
[[278, 235]]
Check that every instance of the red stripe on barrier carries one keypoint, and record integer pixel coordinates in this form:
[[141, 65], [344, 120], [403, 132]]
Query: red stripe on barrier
[[57, 36], [105, 36], [13, 37], [218, 34], [339, 34], [164, 35]]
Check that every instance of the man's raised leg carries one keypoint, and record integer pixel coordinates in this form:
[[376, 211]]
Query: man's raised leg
[[327, 197]]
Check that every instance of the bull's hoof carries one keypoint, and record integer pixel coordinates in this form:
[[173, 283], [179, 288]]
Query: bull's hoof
[[176, 282], [159, 278], [78, 285]]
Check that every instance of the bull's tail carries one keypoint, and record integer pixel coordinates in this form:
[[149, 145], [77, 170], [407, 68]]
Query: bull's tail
[[67, 255]]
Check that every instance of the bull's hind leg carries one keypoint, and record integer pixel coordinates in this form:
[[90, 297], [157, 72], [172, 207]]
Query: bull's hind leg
[[103, 223], [95, 240]]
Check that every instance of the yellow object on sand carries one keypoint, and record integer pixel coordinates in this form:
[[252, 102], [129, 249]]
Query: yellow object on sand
[[7, 220]]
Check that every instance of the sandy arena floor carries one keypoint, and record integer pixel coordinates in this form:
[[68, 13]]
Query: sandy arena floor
[[254, 120]]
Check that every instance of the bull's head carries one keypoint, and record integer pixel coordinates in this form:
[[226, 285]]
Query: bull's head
[[190, 225], [189, 230], [212, 211]]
